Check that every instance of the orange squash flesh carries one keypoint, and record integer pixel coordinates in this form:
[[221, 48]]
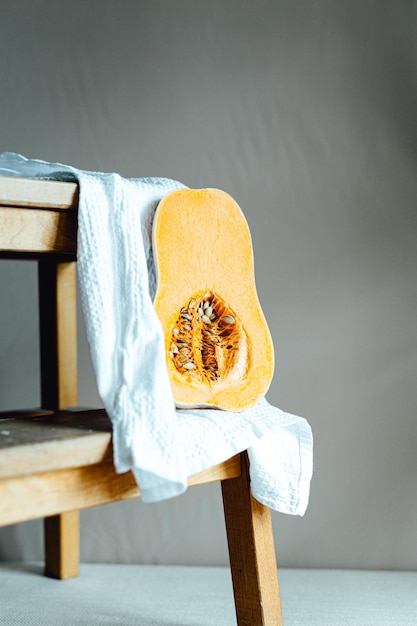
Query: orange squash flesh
[[219, 351]]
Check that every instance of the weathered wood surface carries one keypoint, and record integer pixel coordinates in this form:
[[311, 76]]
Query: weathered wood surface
[[56, 464], [45, 443]]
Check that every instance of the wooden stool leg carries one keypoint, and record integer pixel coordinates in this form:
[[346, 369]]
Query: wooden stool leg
[[58, 348], [252, 553], [62, 545], [58, 334]]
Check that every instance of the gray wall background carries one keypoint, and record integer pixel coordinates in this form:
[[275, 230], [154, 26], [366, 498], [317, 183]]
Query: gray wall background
[[306, 113]]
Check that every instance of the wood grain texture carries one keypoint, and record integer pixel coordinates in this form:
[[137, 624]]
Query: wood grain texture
[[31, 496], [70, 439], [37, 230], [62, 441], [37, 216], [252, 553], [29, 192]]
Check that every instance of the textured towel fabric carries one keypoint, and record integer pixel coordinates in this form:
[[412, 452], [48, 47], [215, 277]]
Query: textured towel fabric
[[160, 444]]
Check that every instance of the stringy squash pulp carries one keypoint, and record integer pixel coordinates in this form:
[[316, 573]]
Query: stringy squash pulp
[[219, 351]]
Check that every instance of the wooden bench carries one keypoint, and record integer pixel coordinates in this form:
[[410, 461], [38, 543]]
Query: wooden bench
[[55, 461]]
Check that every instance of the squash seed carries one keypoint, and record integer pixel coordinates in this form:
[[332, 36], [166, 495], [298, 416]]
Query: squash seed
[[210, 341]]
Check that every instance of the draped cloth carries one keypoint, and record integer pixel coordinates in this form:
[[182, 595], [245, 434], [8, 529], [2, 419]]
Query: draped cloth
[[160, 444]]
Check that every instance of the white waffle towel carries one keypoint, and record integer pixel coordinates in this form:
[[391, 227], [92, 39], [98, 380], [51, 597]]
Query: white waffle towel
[[162, 445]]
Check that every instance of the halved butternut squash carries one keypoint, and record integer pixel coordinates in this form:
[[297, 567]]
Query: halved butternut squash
[[219, 351]]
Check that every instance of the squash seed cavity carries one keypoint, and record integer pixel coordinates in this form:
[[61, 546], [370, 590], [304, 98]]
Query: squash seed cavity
[[208, 343]]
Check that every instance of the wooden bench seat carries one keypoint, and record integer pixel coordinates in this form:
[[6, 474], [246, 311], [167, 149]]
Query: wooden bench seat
[[55, 461], [69, 454]]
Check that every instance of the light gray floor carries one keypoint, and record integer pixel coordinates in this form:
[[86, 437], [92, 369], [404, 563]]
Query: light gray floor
[[130, 595]]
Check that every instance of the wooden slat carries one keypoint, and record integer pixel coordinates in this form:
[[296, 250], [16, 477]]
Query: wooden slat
[[231, 468], [37, 230], [29, 192], [54, 455], [24, 414], [69, 439], [40, 495], [66, 440]]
